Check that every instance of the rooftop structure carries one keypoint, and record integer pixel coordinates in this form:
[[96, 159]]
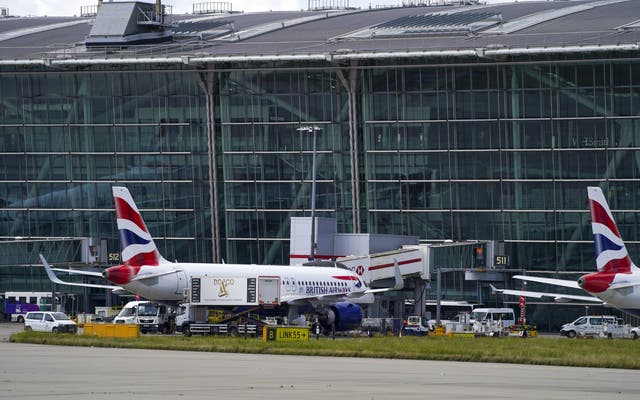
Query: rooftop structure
[[455, 29]]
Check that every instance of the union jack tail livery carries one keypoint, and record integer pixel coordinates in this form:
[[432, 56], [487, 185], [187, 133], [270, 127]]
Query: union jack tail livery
[[136, 243], [616, 281], [615, 268], [611, 253]]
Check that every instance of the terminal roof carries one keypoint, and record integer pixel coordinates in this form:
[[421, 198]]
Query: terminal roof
[[481, 30]]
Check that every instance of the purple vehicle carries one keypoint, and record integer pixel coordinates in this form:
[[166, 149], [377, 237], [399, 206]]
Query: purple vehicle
[[17, 304]]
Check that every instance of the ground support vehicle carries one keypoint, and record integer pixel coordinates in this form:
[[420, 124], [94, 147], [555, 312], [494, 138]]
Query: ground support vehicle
[[226, 305], [607, 326], [105, 313], [502, 317], [381, 326], [205, 320], [152, 317], [521, 330], [371, 326], [47, 321], [616, 331], [635, 333], [415, 326], [483, 323], [231, 329]]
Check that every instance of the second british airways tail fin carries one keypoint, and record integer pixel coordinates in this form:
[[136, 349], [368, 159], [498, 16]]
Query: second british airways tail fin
[[611, 253]]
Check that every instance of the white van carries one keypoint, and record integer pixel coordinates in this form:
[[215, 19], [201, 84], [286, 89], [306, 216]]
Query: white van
[[589, 325], [47, 321], [504, 316]]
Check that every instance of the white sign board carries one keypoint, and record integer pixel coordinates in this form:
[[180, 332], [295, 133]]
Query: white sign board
[[223, 290]]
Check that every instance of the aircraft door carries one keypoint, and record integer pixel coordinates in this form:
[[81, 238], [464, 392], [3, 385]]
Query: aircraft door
[[182, 282], [268, 290]]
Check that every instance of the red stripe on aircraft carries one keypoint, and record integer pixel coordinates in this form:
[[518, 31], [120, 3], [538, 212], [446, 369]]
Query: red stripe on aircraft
[[382, 266], [346, 278], [600, 215], [618, 266], [140, 259], [124, 211]]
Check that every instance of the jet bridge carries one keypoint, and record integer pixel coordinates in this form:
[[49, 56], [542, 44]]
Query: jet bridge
[[411, 260]]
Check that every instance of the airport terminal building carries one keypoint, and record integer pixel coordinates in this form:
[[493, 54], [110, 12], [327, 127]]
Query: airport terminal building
[[443, 120]]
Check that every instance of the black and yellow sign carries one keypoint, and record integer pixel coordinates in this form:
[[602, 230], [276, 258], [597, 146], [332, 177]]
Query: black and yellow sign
[[501, 261], [285, 334]]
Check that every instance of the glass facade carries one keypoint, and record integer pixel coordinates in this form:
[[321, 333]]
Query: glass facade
[[504, 153], [495, 151], [67, 137], [267, 162]]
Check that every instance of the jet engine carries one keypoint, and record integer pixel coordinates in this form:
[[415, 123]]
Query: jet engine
[[344, 315]]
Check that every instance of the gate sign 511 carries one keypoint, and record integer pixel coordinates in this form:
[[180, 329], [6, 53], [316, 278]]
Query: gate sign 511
[[501, 261]]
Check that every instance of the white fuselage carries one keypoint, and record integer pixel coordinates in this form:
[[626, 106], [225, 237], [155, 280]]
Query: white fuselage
[[624, 292], [296, 282]]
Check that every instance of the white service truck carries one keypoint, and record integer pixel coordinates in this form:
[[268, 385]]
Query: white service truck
[[492, 321], [152, 317], [226, 305], [605, 326]]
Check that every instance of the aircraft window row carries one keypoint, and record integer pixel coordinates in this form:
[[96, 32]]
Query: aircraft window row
[[314, 283]]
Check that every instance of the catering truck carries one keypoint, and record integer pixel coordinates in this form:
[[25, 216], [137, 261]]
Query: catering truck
[[227, 305]]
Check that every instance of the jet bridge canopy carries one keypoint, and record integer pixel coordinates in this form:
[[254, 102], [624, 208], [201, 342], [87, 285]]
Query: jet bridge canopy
[[379, 266]]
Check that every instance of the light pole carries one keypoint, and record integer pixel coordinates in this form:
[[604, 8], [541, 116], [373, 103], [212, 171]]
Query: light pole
[[312, 129]]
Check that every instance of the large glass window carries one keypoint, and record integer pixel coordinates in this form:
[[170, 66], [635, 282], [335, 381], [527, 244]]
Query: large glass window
[[82, 133], [444, 151]]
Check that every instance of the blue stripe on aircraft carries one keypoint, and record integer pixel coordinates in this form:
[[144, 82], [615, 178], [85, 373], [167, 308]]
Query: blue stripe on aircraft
[[602, 243], [128, 237]]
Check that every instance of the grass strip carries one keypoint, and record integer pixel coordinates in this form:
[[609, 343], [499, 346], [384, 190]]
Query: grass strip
[[601, 353]]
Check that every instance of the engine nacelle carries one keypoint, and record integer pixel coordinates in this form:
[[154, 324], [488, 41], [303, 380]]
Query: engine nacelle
[[344, 315], [120, 274], [596, 282]]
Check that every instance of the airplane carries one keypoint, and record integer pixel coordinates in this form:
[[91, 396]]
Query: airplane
[[617, 279], [333, 291]]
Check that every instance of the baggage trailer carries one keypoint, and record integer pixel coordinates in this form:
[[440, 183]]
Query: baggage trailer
[[237, 329]]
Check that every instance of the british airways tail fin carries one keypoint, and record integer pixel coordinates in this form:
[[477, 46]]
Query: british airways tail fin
[[136, 244], [611, 253]]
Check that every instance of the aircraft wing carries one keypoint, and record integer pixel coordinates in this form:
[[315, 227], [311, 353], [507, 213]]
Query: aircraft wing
[[78, 272], [55, 279], [557, 297], [550, 281]]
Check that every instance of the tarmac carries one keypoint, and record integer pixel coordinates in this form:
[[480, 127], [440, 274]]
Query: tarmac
[[29, 371]]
